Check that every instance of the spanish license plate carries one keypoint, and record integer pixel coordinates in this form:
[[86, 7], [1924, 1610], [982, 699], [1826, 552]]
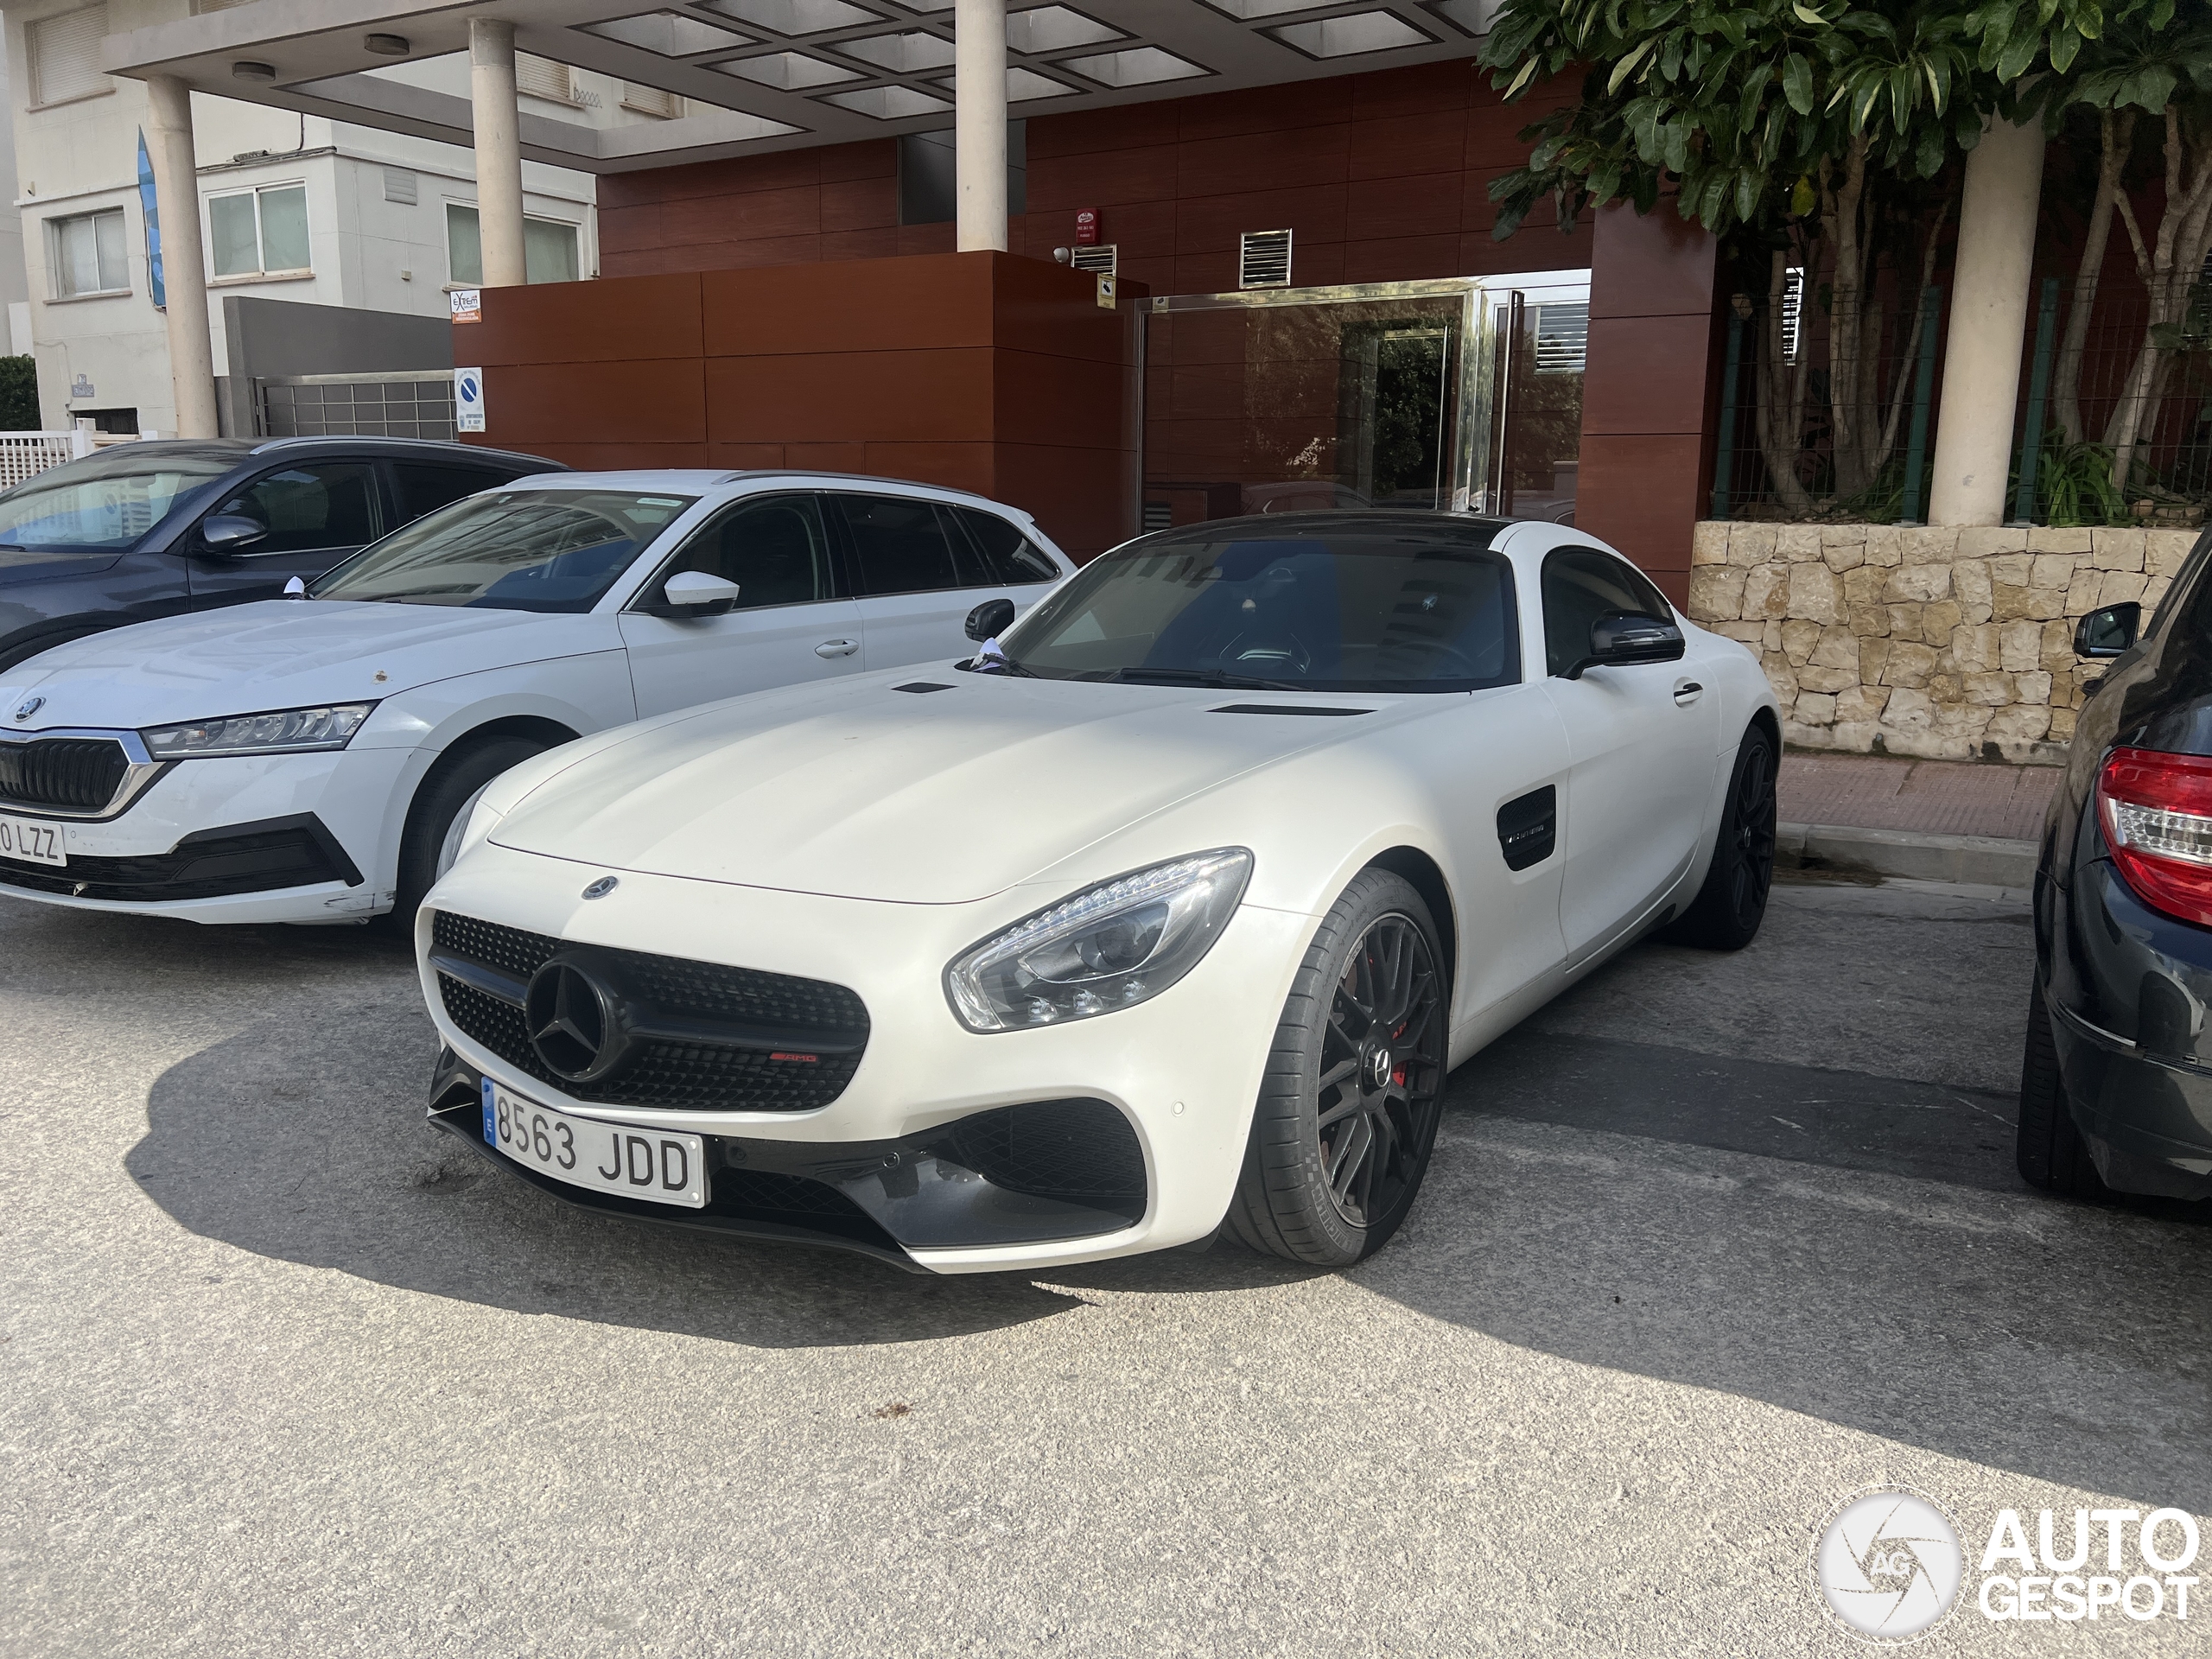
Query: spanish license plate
[[659, 1166], [33, 840]]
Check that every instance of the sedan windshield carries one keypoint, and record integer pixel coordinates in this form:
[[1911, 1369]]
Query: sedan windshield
[[509, 550], [105, 502], [1361, 609]]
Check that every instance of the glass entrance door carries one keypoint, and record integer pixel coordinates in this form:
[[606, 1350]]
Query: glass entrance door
[[1382, 395]]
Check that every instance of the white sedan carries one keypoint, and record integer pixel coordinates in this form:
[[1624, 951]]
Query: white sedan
[[1171, 906], [314, 759]]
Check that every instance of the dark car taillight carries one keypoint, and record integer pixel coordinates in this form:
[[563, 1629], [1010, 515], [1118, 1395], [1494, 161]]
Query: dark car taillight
[[2156, 812]]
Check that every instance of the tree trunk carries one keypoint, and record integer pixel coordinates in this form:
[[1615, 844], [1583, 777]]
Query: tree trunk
[[1908, 360], [2115, 132], [1781, 404], [1845, 225], [2170, 266]]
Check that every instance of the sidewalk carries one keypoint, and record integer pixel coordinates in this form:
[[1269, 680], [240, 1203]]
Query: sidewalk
[[1926, 820]]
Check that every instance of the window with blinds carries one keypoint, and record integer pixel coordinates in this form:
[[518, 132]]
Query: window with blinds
[[65, 54], [1562, 338], [537, 77], [650, 100]]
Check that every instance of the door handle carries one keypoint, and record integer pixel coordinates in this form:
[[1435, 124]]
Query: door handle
[[1687, 692], [837, 647]]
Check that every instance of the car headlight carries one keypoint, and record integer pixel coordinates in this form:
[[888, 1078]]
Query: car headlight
[[284, 731], [1109, 947]]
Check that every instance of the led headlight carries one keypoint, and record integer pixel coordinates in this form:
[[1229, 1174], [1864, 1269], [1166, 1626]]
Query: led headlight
[[1109, 947], [285, 731]]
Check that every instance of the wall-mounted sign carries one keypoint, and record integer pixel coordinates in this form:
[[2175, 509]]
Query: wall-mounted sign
[[468, 400], [1086, 227], [1106, 292], [81, 387], [467, 304]]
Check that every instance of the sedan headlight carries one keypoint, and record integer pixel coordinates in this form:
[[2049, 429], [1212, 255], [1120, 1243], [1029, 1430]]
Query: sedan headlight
[[285, 731], [1109, 947]]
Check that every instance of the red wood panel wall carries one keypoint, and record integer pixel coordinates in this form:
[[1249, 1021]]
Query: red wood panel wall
[[985, 371]]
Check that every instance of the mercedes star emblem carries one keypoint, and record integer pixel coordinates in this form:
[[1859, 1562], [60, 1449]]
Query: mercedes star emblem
[[601, 888], [574, 1022], [30, 708]]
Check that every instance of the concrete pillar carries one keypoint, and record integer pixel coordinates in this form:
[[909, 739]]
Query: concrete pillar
[[1989, 324], [979, 122], [499, 151], [184, 264]]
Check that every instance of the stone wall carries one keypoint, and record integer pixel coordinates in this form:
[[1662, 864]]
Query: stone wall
[[1943, 643]]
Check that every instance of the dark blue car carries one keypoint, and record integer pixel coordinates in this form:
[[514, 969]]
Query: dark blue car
[[2116, 1087], [149, 529]]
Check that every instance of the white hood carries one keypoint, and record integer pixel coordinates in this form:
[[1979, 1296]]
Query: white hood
[[280, 653], [861, 791]]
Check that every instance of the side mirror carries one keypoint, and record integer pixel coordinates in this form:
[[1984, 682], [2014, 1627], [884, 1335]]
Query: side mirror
[[1627, 637], [2109, 631], [226, 532], [694, 593], [990, 618]]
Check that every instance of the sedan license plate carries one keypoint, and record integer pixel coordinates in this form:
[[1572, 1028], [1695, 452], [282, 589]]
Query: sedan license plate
[[659, 1166], [32, 840]]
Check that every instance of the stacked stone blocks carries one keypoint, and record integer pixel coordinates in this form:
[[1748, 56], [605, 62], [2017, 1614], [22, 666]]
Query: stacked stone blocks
[[1940, 644]]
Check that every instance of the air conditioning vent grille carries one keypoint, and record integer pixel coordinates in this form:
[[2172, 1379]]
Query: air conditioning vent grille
[[1264, 259], [1562, 338], [1103, 259]]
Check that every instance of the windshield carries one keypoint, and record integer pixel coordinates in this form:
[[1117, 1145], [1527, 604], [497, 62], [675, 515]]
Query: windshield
[[513, 550], [1378, 608], [105, 502]]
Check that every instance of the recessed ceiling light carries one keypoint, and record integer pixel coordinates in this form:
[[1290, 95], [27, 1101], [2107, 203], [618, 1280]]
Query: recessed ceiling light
[[789, 70], [1347, 37], [1140, 66], [247, 69], [668, 33], [386, 46]]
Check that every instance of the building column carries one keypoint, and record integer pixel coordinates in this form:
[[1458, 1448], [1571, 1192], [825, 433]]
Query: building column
[[1989, 324], [979, 117], [184, 264], [499, 151]]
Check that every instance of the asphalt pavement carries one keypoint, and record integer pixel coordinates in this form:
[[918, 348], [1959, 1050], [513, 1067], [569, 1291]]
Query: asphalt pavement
[[1708, 1245]]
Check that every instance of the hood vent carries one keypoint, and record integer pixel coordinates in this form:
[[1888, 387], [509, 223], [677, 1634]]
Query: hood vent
[[1286, 708], [1264, 259]]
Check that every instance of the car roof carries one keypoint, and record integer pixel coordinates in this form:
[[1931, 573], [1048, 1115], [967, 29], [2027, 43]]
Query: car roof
[[1341, 519], [699, 480], [242, 450]]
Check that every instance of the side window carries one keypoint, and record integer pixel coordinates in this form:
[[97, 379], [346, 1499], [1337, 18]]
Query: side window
[[1009, 555], [903, 546], [774, 550], [1580, 585], [308, 508], [425, 489]]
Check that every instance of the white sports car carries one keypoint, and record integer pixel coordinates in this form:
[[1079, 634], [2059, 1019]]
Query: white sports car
[[315, 761], [1174, 905]]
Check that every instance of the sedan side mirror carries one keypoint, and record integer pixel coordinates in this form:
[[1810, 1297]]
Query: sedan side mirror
[[1626, 637], [228, 532], [694, 593], [2109, 631], [990, 618]]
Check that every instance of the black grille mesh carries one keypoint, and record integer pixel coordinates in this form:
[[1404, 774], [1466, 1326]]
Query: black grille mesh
[[672, 1076], [78, 774], [204, 869], [1082, 1151]]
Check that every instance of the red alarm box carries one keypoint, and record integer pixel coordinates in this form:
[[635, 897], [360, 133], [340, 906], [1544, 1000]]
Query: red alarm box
[[1086, 227]]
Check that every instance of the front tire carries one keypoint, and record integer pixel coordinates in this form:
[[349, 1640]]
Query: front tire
[[1348, 1110], [1728, 909], [2049, 1150], [441, 812]]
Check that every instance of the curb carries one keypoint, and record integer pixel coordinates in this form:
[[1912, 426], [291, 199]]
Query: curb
[[1911, 855]]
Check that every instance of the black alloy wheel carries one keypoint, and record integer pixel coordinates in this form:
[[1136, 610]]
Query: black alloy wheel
[[1728, 909], [1348, 1112]]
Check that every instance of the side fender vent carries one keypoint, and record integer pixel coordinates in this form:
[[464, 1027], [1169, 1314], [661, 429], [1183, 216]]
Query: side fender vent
[[1527, 827]]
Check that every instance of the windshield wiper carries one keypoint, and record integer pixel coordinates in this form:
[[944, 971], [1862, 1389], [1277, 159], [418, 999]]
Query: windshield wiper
[[1213, 677]]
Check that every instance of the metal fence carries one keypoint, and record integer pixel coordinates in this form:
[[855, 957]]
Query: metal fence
[[396, 404]]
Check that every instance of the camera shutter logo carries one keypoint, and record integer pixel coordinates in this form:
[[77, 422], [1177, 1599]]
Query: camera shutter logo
[[1889, 1564]]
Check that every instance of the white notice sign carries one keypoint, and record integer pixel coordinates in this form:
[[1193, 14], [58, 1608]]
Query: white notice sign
[[467, 304], [468, 400]]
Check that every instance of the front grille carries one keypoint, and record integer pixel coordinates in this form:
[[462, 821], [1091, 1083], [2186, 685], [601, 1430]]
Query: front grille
[[773, 1196], [670, 1074], [1078, 1150], [206, 867], [71, 774]]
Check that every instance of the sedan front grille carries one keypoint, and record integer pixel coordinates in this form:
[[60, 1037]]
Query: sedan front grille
[[69, 774], [753, 1041]]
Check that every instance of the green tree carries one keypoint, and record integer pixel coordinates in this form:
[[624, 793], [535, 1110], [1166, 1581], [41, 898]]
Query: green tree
[[18, 394]]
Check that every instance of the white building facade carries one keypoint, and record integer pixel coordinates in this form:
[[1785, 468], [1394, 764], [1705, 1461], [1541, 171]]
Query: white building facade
[[293, 206]]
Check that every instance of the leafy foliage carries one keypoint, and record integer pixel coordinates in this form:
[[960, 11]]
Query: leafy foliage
[[18, 394]]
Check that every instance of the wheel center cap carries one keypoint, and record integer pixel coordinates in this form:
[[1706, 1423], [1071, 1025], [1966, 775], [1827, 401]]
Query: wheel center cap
[[1379, 1068]]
